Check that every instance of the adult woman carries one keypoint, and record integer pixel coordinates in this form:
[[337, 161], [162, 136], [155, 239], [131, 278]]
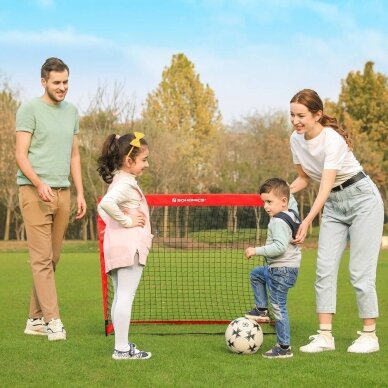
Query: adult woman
[[353, 210]]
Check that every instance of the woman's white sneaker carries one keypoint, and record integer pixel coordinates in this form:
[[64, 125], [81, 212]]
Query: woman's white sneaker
[[319, 343], [55, 330], [365, 343]]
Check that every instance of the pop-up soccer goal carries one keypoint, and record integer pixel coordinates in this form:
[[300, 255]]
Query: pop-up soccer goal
[[196, 271]]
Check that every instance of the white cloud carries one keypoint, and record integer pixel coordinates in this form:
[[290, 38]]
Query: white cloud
[[66, 37], [150, 59], [45, 3], [268, 11]]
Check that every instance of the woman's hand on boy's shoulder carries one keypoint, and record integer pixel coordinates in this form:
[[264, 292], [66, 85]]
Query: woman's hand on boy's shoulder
[[301, 233]]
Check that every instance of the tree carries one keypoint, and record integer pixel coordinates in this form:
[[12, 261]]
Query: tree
[[255, 149], [363, 111], [184, 123], [108, 112], [251, 151], [8, 188], [365, 98], [186, 120]]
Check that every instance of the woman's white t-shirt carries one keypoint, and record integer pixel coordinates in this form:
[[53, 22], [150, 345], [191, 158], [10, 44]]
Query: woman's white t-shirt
[[327, 151]]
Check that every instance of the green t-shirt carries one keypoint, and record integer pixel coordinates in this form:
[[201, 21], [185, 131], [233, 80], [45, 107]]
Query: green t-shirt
[[53, 128]]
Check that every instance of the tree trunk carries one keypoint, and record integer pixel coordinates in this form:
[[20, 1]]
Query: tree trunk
[[7, 224], [229, 226], [20, 232], [165, 222], [234, 219], [186, 221], [178, 229], [85, 230], [258, 234], [92, 230]]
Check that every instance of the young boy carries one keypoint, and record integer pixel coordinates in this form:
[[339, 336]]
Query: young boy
[[282, 263]]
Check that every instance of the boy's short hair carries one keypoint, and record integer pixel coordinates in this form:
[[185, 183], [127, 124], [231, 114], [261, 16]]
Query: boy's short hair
[[53, 64], [276, 185]]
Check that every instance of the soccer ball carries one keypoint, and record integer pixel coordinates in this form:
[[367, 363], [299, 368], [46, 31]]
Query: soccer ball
[[243, 336]]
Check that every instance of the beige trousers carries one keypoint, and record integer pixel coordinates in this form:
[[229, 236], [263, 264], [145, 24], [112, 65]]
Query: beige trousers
[[46, 224]]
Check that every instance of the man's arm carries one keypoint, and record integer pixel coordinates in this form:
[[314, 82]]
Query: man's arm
[[23, 142], [75, 170]]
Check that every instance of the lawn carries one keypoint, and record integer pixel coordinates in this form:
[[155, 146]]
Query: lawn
[[181, 356]]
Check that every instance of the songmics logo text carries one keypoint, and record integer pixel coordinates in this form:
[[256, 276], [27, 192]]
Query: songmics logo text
[[188, 200]]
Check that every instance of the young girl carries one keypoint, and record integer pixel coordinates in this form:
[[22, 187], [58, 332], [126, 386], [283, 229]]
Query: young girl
[[128, 237], [352, 209]]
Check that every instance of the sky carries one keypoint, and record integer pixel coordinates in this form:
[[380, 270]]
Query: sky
[[254, 54]]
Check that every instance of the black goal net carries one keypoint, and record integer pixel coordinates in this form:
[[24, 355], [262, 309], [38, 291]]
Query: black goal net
[[196, 271]]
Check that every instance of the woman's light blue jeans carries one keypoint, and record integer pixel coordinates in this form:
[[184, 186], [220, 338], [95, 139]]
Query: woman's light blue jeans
[[355, 214], [275, 283]]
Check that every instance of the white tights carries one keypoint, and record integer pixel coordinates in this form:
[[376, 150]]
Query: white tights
[[125, 283]]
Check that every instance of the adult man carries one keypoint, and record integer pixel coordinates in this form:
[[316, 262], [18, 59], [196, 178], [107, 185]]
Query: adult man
[[46, 153]]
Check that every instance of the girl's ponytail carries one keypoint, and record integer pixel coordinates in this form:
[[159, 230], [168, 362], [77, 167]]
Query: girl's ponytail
[[108, 162]]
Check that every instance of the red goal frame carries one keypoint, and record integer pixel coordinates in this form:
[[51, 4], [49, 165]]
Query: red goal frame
[[172, 200]]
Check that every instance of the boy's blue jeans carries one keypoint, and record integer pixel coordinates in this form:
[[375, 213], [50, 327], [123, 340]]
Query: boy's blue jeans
[[275, 283]]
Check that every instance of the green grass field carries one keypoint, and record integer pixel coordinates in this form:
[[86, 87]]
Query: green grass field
[[180, 358]]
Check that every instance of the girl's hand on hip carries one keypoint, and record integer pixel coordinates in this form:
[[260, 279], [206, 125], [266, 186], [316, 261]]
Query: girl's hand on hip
[[138, 218]]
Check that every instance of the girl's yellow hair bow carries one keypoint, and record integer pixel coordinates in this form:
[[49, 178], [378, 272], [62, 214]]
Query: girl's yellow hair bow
[[136, 141]]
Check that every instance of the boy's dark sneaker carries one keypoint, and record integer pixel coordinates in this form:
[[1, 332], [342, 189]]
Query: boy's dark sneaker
[[132, 354], [257, 315], [278, 352]]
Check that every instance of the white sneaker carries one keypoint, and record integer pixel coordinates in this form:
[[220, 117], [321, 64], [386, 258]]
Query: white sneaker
[[35, 326], [365, 343], [319, 343], [55, 330]]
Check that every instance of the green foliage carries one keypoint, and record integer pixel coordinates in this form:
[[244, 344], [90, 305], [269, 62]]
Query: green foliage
[[363, 111], [182, 104], [187, 122], [364, 96]]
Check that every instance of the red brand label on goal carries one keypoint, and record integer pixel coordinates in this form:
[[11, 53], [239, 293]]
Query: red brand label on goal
[[204, 200]]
